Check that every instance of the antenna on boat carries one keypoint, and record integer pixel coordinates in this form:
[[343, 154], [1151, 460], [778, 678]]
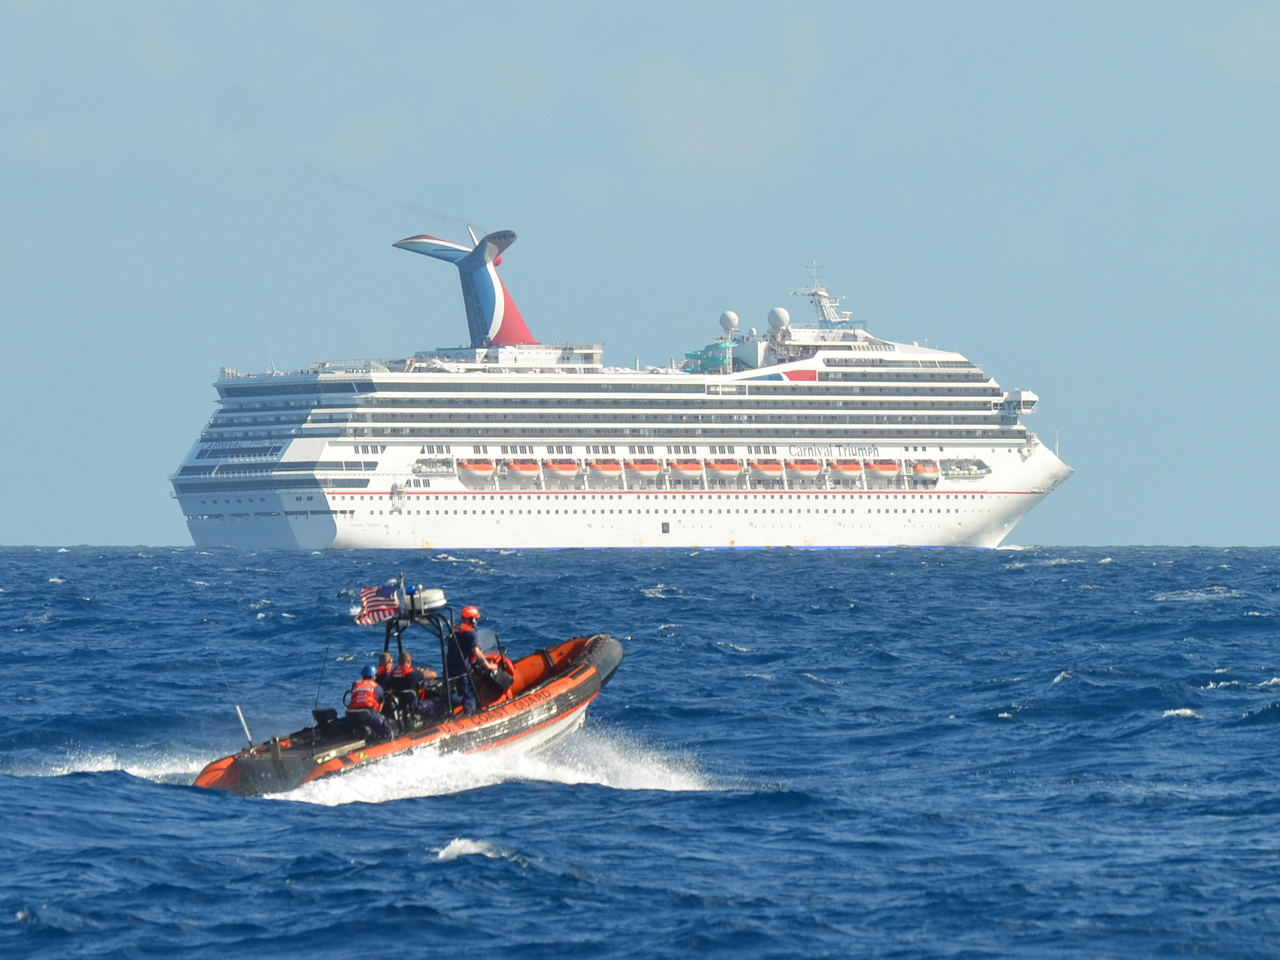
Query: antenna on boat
[[239, 713], [323, 664]]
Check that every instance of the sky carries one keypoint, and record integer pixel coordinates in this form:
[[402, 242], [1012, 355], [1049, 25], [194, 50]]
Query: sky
[[1082, 197]]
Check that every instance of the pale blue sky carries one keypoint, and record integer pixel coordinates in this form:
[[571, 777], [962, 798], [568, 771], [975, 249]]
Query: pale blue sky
[[1082, 197]]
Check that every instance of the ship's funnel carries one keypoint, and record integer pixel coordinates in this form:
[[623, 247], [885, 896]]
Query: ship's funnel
[[492, 317]]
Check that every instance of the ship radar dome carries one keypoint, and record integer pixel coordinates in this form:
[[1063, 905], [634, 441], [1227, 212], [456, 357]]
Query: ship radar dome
[[778, 319], [729, 321]]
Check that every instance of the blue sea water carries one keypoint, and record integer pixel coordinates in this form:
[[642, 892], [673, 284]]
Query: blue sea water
[[880, 753]]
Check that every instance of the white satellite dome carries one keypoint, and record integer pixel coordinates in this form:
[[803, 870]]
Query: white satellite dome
[[729, 321], [778, 319]]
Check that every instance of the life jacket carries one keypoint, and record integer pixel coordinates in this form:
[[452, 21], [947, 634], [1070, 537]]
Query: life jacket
[[364, 695], [401, 671]]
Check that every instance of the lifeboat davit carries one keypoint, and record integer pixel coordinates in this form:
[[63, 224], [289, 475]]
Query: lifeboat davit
[[685, 469], [804, 469], [561, 469], [523, 469], [644, 469], [766, 469], [478, 469], [925, 470], [608, 469], [846, 469], [884, 469], [546, 697], [724, 469]]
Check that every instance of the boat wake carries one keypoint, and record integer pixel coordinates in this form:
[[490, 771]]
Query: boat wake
[[588, 756]]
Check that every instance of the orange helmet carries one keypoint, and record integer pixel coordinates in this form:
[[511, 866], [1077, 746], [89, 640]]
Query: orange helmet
[[470, 613]]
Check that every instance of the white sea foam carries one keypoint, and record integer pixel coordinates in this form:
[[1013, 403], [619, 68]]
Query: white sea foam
[[63, 550], [56, 580], [733, 646], [590, 757], [1062, 676], [464, 847], [660, 592], [1197, 596], [1184, 712], [1273, 682], [1106, 560], [160, 767]]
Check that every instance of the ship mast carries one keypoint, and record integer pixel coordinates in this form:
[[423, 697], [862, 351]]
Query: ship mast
[[822, 300]]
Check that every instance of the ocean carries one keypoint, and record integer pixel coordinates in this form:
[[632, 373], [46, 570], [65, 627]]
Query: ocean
[[875, 753]]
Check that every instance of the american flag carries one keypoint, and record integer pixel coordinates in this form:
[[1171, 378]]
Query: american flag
[[377, 604]]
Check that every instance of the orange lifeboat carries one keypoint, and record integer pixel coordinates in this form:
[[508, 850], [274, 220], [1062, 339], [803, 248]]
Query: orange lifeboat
[[606, 469], [766, 469], [477, 469], [522, 469], [846, 469], [685, 469], [724, 469], [644, 469], [804, 469], [561, 469], [925, 471], [883, 469]]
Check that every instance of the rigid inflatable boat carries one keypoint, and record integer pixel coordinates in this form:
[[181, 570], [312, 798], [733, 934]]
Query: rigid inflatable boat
[[545, 697]]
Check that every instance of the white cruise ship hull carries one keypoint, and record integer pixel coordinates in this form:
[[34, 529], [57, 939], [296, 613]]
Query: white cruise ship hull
[[449, 516]]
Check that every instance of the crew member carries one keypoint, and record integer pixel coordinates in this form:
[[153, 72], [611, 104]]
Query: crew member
[[384, 670], [464, 654], [365, 705], [481, 667], [407, 677]]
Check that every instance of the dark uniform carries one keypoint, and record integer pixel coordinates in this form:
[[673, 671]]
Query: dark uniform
[[466, 647]]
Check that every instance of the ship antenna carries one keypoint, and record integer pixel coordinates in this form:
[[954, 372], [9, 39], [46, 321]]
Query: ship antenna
[[270, 359], [239, 713]]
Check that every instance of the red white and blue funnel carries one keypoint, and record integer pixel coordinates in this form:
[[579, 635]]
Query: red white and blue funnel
[[492, 316]]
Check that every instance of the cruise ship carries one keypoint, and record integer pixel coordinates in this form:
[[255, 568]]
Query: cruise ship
[[803, 435]]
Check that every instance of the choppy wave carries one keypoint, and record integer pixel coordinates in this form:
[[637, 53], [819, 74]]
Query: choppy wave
[[161, 767], [1197, 596]]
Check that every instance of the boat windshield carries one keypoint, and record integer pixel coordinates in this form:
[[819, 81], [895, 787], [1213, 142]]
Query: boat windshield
[[487, 641]]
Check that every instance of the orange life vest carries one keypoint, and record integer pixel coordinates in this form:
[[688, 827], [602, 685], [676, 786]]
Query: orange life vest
[[364, 695], [401, 671]]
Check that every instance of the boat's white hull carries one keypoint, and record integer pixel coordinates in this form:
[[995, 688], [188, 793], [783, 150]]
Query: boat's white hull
[[958, 512]]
